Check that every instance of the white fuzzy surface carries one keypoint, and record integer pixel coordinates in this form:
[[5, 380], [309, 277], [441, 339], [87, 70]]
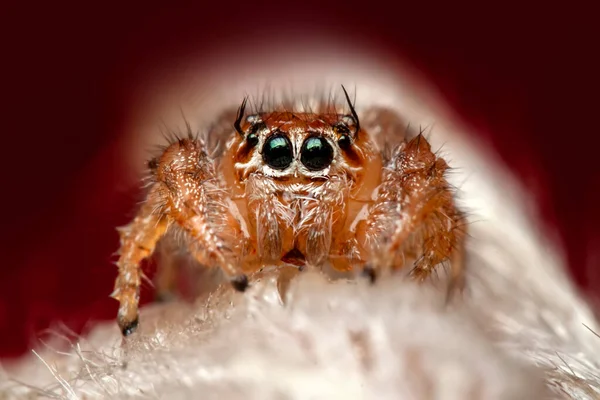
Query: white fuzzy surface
[[519, 332]]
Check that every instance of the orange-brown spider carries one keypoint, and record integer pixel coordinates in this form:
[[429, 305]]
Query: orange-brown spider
[[305, 188]]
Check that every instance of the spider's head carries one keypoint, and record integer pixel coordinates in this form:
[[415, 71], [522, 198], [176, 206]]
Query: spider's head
[[304, 146]]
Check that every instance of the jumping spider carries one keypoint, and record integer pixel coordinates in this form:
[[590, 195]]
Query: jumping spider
[[297, 187]]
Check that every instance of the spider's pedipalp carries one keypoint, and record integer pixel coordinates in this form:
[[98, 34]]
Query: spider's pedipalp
[[318, 218], [269, 215]]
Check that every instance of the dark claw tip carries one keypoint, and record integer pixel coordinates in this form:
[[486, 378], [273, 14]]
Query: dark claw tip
[[240, 283], [130, 328], [369, 273]]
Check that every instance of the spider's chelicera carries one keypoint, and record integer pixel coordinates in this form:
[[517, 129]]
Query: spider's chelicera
[[306, 188]]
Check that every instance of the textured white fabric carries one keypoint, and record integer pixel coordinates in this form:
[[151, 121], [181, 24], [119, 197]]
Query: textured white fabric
[[519, 332]]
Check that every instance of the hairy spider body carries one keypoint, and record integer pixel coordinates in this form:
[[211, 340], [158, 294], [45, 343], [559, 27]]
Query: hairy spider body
[[299, 188]]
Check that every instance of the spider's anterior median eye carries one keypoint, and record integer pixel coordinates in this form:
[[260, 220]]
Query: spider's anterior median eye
[[316, 153], [277, 152]]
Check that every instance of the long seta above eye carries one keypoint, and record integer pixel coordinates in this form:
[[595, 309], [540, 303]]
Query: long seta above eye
[[252, 136], [353, 113], [240, 115]]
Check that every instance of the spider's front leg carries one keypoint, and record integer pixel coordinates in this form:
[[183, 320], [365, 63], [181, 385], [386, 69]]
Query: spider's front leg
[[186, 192], [414, 218]]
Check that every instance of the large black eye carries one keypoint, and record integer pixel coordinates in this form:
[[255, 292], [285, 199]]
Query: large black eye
[[316, 153], [277, 152]]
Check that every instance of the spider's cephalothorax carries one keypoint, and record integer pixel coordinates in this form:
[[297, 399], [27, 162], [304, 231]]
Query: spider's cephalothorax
[[301, 188]]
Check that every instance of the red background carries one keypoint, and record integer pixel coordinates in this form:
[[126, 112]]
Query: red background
[[523, 76]]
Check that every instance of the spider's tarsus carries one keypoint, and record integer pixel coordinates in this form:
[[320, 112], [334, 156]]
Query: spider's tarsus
[[240, 282], [369, 273], [130, 327]]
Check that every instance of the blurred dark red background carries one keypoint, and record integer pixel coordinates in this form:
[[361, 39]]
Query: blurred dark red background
[[525, 76]]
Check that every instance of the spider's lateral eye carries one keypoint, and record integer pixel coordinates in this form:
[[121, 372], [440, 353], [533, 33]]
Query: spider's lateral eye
[[252, 139], [344, 141], [341, 128], [257, 126], [277, 152], [316, 153]]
